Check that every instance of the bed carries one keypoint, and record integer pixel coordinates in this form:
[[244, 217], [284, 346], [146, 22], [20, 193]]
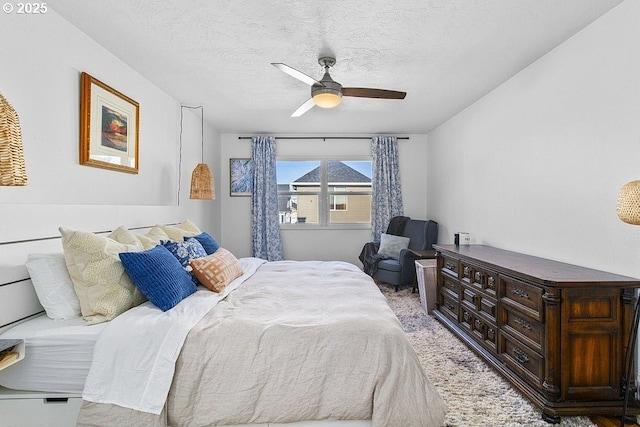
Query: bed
[[306, 342]]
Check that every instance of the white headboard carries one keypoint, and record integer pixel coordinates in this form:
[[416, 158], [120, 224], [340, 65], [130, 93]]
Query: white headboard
[[26, 229]]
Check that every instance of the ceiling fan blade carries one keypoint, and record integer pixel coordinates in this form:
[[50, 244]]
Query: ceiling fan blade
[[364, 92], [295, 73], [304, 108]]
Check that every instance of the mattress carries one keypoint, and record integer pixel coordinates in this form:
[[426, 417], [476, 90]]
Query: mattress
[[58, 355]]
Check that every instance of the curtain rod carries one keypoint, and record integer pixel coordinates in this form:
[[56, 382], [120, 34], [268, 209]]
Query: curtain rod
[[320, 137]]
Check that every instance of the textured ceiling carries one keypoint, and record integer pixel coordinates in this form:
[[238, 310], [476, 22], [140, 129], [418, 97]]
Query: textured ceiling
[[444, 53]]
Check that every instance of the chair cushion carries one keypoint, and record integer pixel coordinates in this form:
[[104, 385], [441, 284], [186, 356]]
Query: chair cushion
[[389, 264], [390, 245]]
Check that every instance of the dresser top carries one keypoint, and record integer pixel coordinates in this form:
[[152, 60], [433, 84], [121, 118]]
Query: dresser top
[[540, 269]]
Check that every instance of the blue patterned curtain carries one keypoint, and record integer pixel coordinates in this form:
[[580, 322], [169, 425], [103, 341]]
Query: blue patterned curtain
[[264, 203], [386, 192]]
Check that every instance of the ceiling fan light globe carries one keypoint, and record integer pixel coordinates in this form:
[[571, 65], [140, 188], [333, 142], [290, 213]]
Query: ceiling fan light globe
[[327, 99]]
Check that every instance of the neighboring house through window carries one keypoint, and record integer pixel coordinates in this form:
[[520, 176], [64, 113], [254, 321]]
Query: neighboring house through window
[[324, 192]]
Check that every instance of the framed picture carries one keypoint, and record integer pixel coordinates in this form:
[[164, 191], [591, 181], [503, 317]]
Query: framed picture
[[241, 177], [108, 127]]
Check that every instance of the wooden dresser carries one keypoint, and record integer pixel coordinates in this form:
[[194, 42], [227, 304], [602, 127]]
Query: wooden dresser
[[556, 331]]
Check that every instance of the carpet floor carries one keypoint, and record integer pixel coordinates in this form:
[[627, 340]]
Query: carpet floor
[[476, 394]]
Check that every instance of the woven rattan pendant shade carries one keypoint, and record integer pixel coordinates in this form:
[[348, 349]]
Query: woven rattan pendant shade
[[12, 169], [202, 183], [629, 203]]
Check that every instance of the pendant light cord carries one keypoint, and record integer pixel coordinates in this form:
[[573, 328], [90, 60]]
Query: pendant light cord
[[196, 107]]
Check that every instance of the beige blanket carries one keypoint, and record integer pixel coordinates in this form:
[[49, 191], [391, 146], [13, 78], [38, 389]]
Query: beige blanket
[[297, 341]]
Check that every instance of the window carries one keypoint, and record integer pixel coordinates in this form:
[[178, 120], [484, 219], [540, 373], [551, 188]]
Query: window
[[324, 192]]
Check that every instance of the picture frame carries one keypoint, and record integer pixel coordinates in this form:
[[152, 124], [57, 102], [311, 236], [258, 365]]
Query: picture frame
[[109, 127], [240, 177]]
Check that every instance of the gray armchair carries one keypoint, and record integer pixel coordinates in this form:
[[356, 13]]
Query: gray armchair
[[402, 272]]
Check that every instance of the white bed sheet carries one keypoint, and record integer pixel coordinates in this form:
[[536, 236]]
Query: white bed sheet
[[58, 355]]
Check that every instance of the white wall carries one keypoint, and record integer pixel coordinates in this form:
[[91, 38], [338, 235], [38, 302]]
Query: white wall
[[536, 165], [43, 57], [319, 244]]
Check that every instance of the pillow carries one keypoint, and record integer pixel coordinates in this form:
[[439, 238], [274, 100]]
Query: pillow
[[53, 285], [185, 251], [159, 276], [153, 237], [180, 231], [217, 270], [207, 241], [390, 245], [99, 280]]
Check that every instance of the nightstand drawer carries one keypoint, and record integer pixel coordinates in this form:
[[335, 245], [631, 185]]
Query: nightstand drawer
[[29, 409]]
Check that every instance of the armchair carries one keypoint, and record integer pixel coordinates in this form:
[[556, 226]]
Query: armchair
[[422, 235]]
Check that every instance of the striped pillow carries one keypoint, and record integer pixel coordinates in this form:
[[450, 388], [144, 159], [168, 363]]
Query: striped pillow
[[217, 270]]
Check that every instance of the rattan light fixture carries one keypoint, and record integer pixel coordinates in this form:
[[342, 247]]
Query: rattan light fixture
[[12, 169], [202, 184], [629, 203]]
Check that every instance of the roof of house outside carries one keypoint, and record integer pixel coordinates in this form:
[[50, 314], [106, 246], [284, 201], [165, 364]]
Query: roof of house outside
[[337, 172]]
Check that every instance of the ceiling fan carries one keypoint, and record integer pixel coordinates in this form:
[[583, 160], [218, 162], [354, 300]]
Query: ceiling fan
[[327, 93]]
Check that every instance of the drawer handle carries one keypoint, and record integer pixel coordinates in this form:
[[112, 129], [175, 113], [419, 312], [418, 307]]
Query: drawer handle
[[467, 316], [450, 266], [56, 400], [466, 271], [449, 306], [523, 323], [491, 283], [491, 334], [478, 276], [521, 293], [520, 355], [478, 324]]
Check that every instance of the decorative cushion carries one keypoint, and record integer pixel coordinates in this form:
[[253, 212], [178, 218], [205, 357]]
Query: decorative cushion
[[99, 280], [390, 245], [152, 238], [217, 270], [185, 251], [159, 276], [207, 241], [53, 285], [180, 231]]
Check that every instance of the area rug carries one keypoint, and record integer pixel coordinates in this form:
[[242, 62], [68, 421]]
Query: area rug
[[476, 394]]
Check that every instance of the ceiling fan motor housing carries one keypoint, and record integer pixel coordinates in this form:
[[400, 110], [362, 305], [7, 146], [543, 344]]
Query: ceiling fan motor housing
[[327, 95]]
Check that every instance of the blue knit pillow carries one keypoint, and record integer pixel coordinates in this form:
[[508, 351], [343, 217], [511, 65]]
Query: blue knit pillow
[[207, 241], [158, 275]]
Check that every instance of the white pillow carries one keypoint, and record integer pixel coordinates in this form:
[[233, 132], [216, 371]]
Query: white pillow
[[53, 285], [390, 245]]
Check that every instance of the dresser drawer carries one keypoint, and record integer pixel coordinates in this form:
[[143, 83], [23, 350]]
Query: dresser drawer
[[479, 278], [486, 333], [523, 296], [521, 359], [479, 302], [448, 265], [523, 327], [449, 305], [451, 285]]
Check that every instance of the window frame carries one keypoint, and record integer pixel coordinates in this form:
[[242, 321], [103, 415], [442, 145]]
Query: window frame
[[324, 207]]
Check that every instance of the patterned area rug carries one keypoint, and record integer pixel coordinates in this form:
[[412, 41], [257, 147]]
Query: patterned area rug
[[476, 394]]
